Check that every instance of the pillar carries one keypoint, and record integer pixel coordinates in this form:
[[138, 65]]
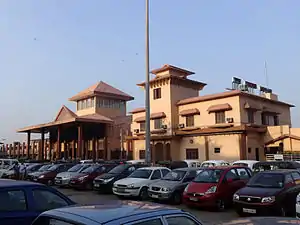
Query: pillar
[[105, 145], [58, 147], [10, 150], [14, 149], [33, 149], [66, 150], [94, 149], [243, 147], [97, 148], [18, 149], [165, 151], [42, 145], [23, 149], [80, 142], [28, 144]]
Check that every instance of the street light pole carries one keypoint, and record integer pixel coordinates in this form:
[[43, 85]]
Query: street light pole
[[147, 90]]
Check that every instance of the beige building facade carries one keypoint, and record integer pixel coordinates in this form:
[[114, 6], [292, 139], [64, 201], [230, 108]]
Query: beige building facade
[[231, 125]]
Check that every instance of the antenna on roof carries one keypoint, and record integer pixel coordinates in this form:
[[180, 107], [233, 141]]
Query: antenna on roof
[[266, 74]]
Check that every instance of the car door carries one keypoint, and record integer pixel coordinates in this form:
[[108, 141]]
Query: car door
[[15, 207], [244, 175], [229, 184], [181, 219], [156, 175]]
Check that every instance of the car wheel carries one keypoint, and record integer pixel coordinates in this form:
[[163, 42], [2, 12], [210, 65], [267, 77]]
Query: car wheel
[[220, 205], [50, 182], [176, 198], [144, 194]]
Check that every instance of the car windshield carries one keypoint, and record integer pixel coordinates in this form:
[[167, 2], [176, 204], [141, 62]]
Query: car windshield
[[119, 169], [75, 168], [240, 164], [209, 176], [267, 180], [175, 175], [208, 164], [44, 168], [90, 169], [53, 168], [141, 173], [83, 167], [30, 167]]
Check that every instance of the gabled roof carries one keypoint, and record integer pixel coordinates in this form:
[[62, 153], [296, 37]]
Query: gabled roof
[[171, 67], [102, 89], [64, 114], [282, 137]]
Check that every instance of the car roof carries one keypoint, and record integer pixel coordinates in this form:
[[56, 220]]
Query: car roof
[[153, 168], [222, 167], [189, 168], [214, 161], [245, 161], [113, 210], [280, 171], [16, 183]]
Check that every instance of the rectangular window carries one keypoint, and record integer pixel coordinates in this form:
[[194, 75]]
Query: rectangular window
[[142, 154], [157, 123], [192, 153], [276, 120], [220, 117], [217, 150], [249, 150], [12, 201], [250, 114], [189, 121], [83, 104], [142, 126], [156, 93]]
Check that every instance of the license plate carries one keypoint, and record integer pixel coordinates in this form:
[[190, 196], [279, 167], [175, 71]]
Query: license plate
[[58, 181], [252, 211], [194, 199], [154, 196], [121, 190], [96, 185]]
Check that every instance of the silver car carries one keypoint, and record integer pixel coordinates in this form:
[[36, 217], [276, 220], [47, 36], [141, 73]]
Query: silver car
[[171, 186], [63, 179]]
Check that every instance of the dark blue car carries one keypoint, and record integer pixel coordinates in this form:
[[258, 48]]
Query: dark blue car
[[22, 201], [116, 213]]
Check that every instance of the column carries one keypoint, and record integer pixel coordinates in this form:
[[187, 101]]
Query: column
[[105, 145], [165, 151], [42, 145], [94, 149], [58, 149], [80, 142], [23, 149], [14, 149], [28, 144], [66, 150], [33, 150], [97, 148], [18, 149]]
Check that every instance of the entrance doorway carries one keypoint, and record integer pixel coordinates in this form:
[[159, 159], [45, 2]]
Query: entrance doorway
[[257, 154]]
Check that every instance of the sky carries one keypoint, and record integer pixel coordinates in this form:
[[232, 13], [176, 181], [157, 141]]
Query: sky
[[52, 49]]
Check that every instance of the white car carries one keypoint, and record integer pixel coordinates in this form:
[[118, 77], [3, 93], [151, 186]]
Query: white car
[[248, 163], [136, 184], [298, 206], [211, 163]]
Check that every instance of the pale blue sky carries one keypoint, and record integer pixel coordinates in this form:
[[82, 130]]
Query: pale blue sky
[[52, 49]]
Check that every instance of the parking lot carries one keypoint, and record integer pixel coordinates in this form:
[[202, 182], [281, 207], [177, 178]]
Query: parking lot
[[89, 197]]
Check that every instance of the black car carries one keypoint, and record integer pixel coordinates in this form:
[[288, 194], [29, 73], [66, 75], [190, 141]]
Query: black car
[[269, 193], [104, 182], [275, 165]]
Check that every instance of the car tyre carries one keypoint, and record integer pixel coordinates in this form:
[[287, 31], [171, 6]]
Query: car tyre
[[144, 194], [220, 205], [176, 198]]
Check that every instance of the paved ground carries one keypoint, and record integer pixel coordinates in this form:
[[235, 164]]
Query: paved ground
[[89, 197]]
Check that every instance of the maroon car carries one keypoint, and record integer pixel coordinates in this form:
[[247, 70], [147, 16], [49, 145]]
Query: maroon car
[[84, 180], [48, 176]]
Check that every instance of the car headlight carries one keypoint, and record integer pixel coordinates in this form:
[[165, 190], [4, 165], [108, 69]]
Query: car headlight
[[269, 199], [212, 189], [186, 188], [42, 176], [82, 178], [298, 199], [165, 189], [130, 186], [236, 197], [108, 180]]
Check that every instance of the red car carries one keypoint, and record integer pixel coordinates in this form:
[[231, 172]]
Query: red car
[[84, 180], [215, 186]]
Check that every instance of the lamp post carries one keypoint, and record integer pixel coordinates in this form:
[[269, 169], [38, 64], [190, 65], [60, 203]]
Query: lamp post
[[147, 91]]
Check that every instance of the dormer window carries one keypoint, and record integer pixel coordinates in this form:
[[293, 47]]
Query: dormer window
[[156, 93]]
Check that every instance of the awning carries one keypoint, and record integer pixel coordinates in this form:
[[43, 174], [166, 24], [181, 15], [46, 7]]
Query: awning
[[140, 119], [189, 112], [249, 106], [219, 107], [157, 115]]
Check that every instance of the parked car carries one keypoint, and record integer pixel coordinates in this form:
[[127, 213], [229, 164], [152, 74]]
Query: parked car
[[22, 201], [48, 176], [275, 165], [117, 212], [104, 182], [262, 221], [32, 175], [215, 186], [172, 185], [89, 161], [63, 179], [84, 180], [136, 184], [184, 164], [137, 161], [249, 163], [211, 163], [269, 193], [6, 164]]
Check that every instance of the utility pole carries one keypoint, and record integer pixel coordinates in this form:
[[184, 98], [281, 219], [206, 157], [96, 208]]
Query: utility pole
[[147, 91]]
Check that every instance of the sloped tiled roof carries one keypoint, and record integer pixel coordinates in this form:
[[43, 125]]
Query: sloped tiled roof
[[64, 114], [103, 89]]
